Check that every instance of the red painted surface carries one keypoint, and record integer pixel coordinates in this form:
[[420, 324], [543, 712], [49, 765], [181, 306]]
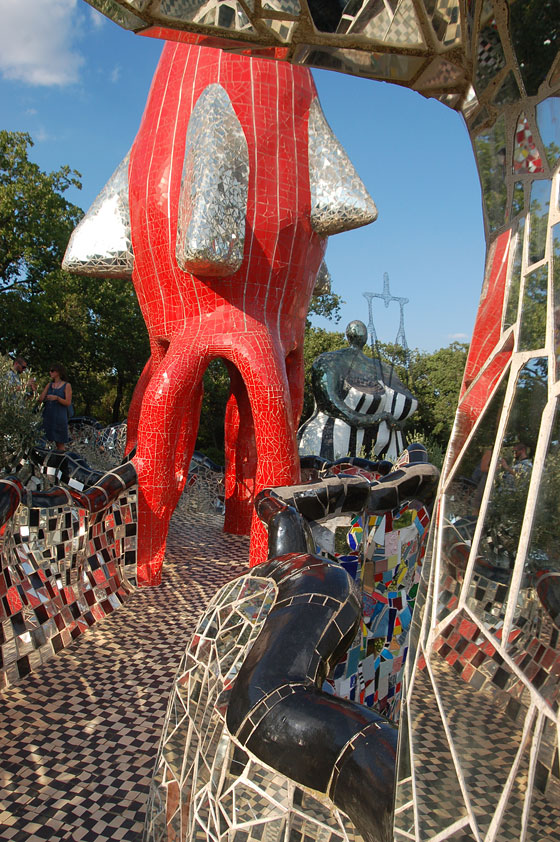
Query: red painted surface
[[488, 325], [253, 319]]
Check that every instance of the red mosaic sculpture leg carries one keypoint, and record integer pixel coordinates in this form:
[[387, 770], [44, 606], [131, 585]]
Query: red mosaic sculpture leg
[[241, 458], [254, 318]]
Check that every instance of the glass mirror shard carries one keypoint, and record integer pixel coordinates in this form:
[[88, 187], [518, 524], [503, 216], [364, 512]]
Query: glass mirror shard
[[544, 813], [526, 156], [534, 39], [439, 800], [118, 14], [497, 549], [512, 306], [461, 503], [534, 648], [471, 678], [510, 820], [282, 28], [445, 17], [490, 150], [556, 293], [439, 74], [538, 209], [508, 91], [548, 121], [532, 332], [518, 198], [490, 57], [392, 67], [404, 28]]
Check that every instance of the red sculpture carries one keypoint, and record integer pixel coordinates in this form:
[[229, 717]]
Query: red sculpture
[[234, 183]]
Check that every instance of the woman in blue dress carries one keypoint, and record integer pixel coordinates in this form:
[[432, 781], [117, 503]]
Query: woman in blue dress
[[56, 397]]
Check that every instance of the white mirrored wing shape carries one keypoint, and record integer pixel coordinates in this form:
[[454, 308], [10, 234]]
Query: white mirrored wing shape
[[214, 189], [323, 282], [101, 244], [339, 199]]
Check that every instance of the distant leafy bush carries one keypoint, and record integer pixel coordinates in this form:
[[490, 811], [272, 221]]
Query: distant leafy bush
[[20, 421]]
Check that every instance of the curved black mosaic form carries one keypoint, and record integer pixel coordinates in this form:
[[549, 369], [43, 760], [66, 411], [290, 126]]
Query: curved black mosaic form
[[89, 488], [379, 466], [324, 466], [200, 459], [548, 589], [279, 713], [284, 510], [11, 492]]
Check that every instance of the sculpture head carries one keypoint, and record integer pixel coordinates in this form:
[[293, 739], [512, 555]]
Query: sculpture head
[[356, 333]]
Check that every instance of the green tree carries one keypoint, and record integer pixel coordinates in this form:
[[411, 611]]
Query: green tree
[[93, 326], [20, 422], [35, 218], [435, 380]]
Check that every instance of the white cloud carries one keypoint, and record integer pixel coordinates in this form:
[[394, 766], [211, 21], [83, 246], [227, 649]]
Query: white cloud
[[458, 337], [97, 19], [37, 41], [41, 135], [116, 73]]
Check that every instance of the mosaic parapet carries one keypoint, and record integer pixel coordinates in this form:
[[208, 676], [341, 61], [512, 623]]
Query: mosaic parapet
[[251, 744], [68, 558]]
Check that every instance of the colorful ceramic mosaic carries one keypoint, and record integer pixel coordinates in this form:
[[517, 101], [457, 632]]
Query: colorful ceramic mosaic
[[386, 553]]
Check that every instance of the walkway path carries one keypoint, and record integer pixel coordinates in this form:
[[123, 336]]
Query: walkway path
[[78, 738]]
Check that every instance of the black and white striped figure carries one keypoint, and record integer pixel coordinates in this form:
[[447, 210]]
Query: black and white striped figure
[[358, 401]]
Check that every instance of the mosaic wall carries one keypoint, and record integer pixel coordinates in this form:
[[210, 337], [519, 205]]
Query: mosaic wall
[[479, 730], [67, 557]]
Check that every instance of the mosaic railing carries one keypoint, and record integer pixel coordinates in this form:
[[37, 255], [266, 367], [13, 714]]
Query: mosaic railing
[[68, 557], [256, 745]]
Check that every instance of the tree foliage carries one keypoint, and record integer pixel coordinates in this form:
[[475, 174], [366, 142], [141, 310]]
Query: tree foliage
[[35, 218], [93, 326], [20, 422]]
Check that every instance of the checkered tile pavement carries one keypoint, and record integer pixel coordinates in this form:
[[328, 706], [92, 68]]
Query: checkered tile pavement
[[78, 737]]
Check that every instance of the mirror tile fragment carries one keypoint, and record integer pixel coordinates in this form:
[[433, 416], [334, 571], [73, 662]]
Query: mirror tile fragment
[[556, 293], [526, 156], [512, 306], [548, 120], [438, 798], [488, 744], [214, 188], [101, 243], [532, 333], [538, 215], [339, 199], [490, 150]]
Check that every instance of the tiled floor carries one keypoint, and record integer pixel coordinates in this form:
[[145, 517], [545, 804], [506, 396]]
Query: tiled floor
[[78, 737]]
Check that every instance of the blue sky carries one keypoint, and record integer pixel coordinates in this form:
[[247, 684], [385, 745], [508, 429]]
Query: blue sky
[[77, 83]]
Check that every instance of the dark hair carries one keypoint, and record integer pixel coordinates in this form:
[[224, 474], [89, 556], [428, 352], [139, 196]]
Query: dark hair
[[20, 360], [61, 370]]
